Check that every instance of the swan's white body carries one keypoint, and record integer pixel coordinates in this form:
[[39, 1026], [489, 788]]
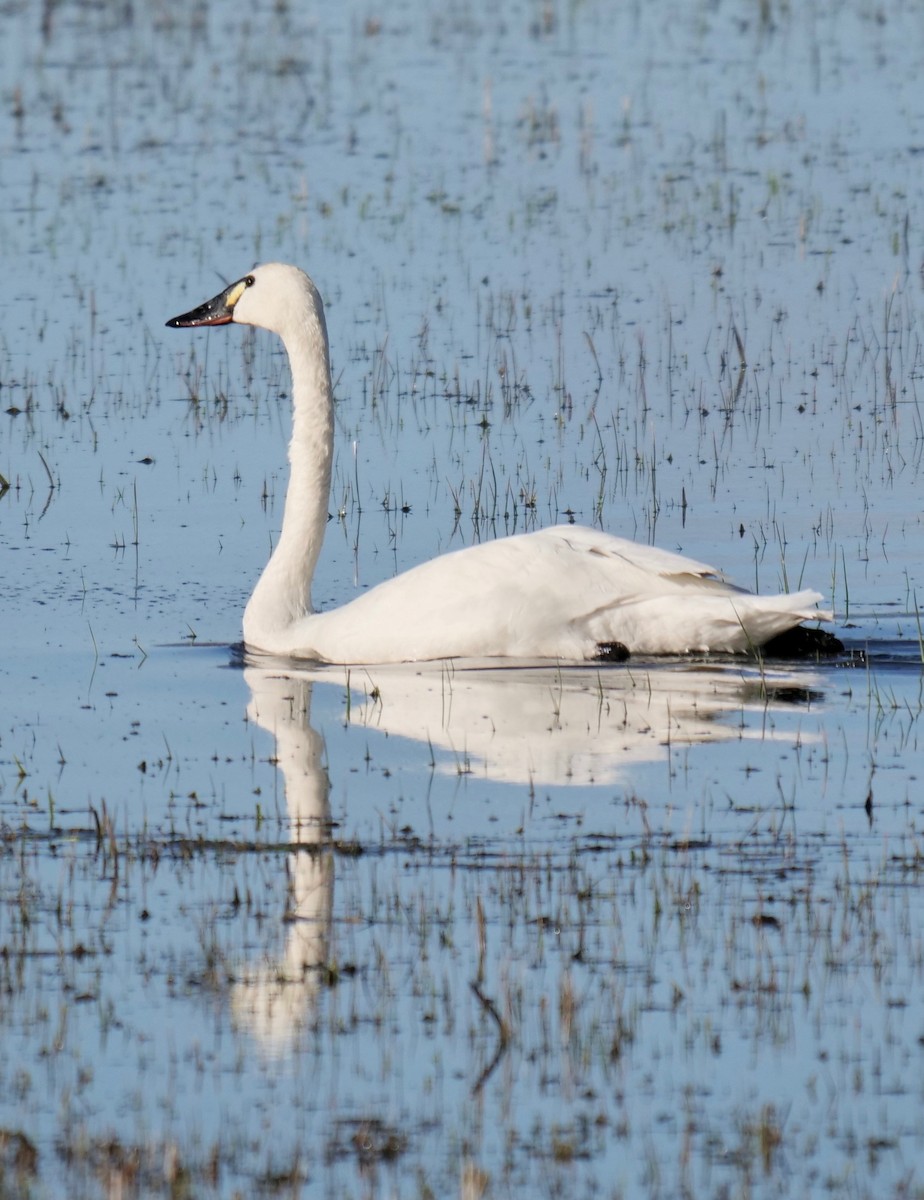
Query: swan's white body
[[560, 593]]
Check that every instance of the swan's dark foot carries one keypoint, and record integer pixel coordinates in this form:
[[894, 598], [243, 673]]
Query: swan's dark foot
[[803, 642], [611, 652]]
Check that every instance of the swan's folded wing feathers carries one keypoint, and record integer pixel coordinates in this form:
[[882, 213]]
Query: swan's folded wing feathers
[[665, 563]]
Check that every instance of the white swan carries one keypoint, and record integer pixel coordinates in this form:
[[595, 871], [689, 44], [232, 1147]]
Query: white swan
[[567, 592]]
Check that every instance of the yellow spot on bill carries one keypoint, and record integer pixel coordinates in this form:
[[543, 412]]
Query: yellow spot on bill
[[235, 292]]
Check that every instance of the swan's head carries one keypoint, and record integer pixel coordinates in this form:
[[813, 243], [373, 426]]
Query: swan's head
[[271, 296]]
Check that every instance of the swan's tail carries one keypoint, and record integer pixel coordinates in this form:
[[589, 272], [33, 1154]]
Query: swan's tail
[[762, 618], [705, 621]]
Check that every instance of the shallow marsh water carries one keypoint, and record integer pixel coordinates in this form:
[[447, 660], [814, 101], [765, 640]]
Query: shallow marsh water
[[650, 930]]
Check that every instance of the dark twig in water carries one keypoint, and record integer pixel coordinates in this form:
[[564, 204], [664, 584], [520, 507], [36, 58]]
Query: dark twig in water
[[51, 484], [503, 1041]]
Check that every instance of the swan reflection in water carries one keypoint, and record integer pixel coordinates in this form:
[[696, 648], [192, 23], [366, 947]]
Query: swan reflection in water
[[573, 725], [537, 725], [274, 998]]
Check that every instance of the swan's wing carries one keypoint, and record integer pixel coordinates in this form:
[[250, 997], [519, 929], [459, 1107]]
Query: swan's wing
[[664, 564]]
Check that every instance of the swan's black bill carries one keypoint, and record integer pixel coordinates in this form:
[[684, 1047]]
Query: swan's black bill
[[216, 311]]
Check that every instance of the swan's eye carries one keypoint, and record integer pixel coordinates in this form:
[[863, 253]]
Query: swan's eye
[[249, 281]]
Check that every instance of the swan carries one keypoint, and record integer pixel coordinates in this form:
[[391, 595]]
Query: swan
[[567, 592]]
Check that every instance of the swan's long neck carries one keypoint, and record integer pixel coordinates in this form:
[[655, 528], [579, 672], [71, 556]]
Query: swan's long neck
[[283, 593]]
